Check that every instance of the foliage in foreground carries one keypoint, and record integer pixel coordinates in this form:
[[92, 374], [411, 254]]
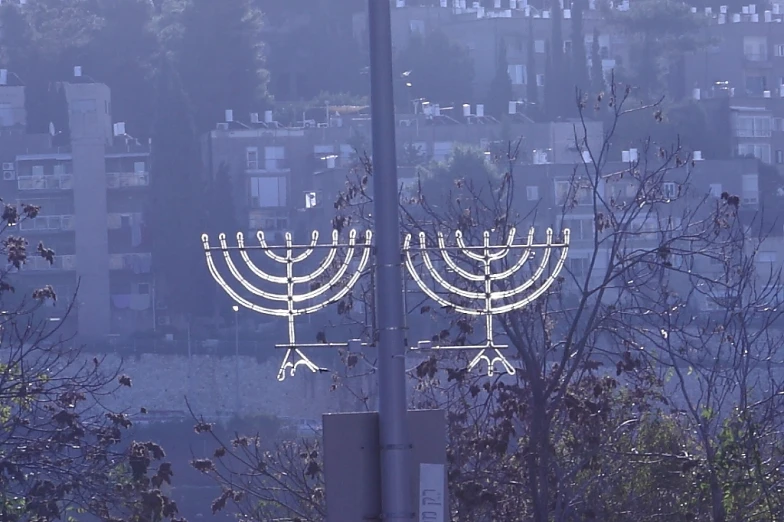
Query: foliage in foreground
[[630, 400]]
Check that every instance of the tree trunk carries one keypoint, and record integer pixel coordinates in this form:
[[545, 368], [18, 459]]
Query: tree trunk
[[539, 459]]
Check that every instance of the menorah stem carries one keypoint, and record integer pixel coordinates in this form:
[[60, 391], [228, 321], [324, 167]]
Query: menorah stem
[[394, 442]]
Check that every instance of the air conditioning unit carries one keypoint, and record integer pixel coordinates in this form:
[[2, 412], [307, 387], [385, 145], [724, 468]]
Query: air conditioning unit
[[9, 175], [8, 166]]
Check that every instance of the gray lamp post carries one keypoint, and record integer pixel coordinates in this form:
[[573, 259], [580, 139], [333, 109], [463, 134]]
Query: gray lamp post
[[394, 443], [236, 310]]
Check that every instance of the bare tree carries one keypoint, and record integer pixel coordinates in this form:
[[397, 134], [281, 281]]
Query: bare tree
[[588, 427]]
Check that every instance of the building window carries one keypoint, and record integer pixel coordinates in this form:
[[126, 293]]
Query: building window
[[756, 85], [778, 50], [59, 169], [346, 151], [567, 47], [442, 150], [268, 192], [750, 188], [142, 289], [578, 266], [580, 228], [252, 158], [758, 150], [532, 191], [579, 191], [780, 156], [139, 167], [755, 48], [417, 26], [274, 157], [778, 124], [539, 46], [715, 190], [753, 126], [516, 74], [6, 115], [669, 190], [540, 80], [38, 171]]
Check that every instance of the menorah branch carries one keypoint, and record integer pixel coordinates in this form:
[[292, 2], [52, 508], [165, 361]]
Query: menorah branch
[[490, 301], [292, 303]]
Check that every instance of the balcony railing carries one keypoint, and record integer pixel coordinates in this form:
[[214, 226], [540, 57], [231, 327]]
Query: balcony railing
[[36, 264], [756, 56], [127, 179], [48, 223], [138, 263], [269, 165], [56, 182]]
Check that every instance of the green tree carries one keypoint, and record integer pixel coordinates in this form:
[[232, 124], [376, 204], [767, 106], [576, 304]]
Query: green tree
[[121, 55], [531, 84], [220, 58], [598, 84], [557, 78], [440, 71], [177, 212], [579, 59], [660, 31], [221, 218], [303, 37], [500, 92]]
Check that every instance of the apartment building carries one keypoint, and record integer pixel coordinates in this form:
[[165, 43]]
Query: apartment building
[[92, 188], [694, 190], [283, 177], [741, 75], [511, 23]]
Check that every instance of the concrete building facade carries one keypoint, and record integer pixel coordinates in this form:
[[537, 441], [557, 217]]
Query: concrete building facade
[[280, 175], [92, 194]]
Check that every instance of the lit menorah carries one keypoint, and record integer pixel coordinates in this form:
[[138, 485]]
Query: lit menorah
[[293, 304], [491, 300]]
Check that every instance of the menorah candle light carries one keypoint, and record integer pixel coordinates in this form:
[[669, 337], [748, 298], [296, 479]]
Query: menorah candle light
[[490, 300], [291, 303]]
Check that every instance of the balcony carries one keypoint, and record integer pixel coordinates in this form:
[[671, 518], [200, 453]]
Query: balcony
[[138, 263], [757, 59], [48, 224], [268, 165], [127, 179], [56, 182], [39, 264]]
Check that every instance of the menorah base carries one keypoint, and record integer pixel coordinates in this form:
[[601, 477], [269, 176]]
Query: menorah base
[[350, 345], [480, 357], [428, 345]]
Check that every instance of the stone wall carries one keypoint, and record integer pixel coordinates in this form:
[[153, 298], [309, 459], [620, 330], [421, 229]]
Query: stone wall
[[208, 382]]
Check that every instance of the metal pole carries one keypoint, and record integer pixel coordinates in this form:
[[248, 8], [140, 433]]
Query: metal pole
[[395, 446], [237, 357]]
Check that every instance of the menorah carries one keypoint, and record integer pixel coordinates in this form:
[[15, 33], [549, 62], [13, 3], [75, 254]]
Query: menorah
[[296, 304], [491, 300]]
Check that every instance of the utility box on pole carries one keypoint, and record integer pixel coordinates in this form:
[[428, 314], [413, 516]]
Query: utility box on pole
[[352, 466]]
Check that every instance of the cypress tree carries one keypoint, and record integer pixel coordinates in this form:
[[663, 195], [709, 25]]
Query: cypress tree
[[176, 214], [597, 72], [500, 92], [579, 54], [531, 87]]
